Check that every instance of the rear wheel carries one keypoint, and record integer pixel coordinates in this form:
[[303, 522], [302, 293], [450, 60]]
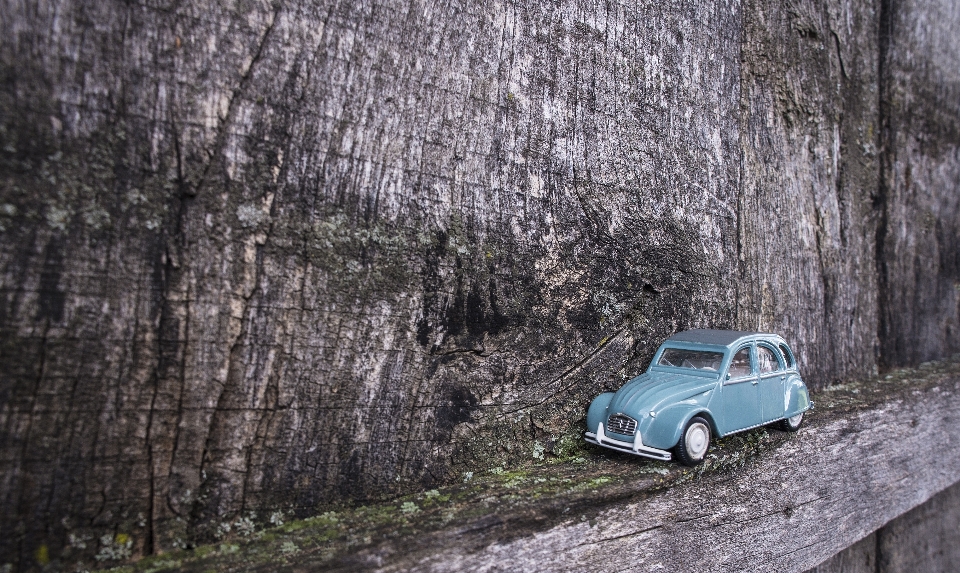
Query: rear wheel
[[791, 424], [694, 442]]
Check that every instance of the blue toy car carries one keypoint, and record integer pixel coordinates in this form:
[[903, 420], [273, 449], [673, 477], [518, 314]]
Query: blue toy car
[[701, 383]]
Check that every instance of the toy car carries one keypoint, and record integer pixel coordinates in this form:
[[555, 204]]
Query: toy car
[[701, 383]]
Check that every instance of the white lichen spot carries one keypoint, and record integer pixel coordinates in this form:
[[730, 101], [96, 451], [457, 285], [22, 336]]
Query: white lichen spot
[[289, 548], [115, 548], [244, 526], [538, 451], [77, 541], [135, 197], [276, 518], [467, 476], [8, 209], [432, 493], [96, 218], [222, 530], [250, 215], [57, 218], [409, 508]]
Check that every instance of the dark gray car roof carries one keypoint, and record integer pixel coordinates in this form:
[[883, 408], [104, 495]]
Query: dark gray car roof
[[718, 337]]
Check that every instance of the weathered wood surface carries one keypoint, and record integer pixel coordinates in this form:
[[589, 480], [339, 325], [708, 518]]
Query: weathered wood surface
[[764, 501], [262, 256], [845, 475], [861, 557], [926, 538]]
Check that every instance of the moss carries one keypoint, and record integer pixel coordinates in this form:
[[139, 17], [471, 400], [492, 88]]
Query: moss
[[42, 555], [203, 550], [163, 564], [292, 526], [367, 259]]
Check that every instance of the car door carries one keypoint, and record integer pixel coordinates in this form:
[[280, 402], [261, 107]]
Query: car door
[[740, 393], [770, 370]]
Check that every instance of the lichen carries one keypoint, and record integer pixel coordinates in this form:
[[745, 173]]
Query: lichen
[[115, 548]]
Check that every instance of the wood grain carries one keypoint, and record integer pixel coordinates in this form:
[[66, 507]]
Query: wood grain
[[849, 471], [262, 257]]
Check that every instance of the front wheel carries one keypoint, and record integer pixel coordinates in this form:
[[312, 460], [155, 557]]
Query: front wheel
[[791, 424], [693, 444]]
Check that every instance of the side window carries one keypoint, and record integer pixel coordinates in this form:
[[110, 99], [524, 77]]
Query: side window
[[740, 365], [766, 360], [787, 356]]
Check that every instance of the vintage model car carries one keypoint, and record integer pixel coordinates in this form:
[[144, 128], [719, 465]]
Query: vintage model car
[[701, 383]]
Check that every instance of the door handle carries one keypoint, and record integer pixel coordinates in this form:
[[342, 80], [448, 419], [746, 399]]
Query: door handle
[[754, 381]]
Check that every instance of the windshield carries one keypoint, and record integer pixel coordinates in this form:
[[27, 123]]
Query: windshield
[[696, 359]]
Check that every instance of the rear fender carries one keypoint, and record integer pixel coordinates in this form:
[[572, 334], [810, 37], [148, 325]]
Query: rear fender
[[796, 397]]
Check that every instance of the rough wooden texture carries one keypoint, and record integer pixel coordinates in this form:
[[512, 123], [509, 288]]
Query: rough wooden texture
[[845, 475], [926, 538], [919, 224], [861, 557], [764, 500], [263, 256]]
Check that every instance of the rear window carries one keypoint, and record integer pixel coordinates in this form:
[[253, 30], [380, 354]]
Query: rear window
[[787, 355], [696, 359]]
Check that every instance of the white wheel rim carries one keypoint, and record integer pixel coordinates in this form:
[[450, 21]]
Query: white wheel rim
[[697, 440], [794, 421]]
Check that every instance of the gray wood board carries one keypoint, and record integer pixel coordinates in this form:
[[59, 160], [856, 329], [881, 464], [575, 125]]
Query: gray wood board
[[845, 474]]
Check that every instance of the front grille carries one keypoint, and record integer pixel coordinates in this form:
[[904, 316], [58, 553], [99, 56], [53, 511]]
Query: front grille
[[622, 424]]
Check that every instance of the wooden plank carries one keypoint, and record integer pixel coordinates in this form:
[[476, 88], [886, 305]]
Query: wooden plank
[[764, 501], [869, 454], [861, 557], [923, 539]]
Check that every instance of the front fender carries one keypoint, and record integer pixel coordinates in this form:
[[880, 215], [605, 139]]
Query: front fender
[[796, 397], [597, 413], [664, 431]]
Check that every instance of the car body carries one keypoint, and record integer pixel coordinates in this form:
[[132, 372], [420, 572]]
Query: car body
[[701, 383]]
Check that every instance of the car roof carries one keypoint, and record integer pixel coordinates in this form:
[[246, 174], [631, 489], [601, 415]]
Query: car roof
[[717, 337]]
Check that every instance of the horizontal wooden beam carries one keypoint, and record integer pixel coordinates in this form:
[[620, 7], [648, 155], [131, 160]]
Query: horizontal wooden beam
[[869, 453], [764, 500]]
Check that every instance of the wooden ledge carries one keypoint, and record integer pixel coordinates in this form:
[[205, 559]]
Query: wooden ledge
[[869, 454], [764, 501]]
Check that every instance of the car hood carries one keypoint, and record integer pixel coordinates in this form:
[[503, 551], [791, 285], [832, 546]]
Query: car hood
[[647, 391]]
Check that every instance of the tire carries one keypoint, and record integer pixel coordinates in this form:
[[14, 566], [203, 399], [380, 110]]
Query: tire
[[791, 424], [694, 442]]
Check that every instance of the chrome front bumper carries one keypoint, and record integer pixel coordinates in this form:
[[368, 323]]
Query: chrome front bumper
[[636, 447]]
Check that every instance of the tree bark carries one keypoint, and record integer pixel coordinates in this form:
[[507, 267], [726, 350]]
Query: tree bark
[[262, 256]]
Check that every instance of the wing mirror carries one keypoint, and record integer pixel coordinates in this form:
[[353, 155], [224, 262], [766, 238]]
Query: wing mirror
[[728, 375]]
